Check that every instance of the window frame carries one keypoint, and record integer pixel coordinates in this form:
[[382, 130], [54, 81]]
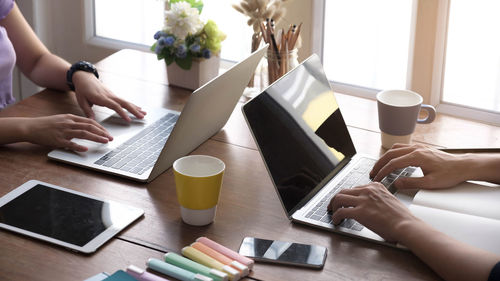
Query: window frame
[[422, 11], [417, 75], [92, 39], [482, 115]]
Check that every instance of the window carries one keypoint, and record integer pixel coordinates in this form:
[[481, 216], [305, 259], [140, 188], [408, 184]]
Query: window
[[472, 70], [238, 41], [446, 50], [128, 20], [121, 22], [366, 42]]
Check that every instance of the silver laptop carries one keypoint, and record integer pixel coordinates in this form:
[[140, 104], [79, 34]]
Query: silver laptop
[[145, 148], [305, 144]]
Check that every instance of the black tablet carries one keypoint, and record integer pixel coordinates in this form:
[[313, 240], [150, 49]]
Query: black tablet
[[64, 217]]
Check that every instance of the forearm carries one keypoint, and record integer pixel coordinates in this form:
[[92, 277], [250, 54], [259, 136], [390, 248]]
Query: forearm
[[451, 259], [482, 167], [33, 58], [50, 72], [14, 129]]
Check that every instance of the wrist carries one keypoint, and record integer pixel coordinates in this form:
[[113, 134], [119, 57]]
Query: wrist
[[483, 167], [25, 129], [410, 231], [80, 77], [464, 166], [77, 68]]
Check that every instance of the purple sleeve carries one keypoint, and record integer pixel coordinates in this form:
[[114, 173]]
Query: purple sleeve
[[5, 7]]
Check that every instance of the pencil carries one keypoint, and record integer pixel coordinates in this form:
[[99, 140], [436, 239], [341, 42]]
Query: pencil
[[275, 47], [295, 36], [263, 31]]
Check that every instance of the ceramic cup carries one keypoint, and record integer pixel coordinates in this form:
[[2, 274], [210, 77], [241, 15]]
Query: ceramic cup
[[198, 180], [398, 112]]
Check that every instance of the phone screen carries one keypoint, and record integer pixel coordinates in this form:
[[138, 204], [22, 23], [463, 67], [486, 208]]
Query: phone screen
[[283, 252]]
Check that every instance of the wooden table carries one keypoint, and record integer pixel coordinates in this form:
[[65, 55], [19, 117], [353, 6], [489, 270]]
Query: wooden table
[[248, 204]]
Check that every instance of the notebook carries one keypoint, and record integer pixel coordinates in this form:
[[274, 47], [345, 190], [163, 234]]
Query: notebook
[[143, 149], [309, 154], [468, 212]]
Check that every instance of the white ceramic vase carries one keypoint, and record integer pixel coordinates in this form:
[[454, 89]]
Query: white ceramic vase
[[202, 71]]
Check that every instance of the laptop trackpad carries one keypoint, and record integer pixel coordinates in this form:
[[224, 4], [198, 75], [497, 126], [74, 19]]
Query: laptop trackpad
[[115, 120], [120, 129]]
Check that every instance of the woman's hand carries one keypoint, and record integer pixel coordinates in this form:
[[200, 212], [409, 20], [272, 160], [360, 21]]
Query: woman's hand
[[58, 130], [90, 91], [374, 207], [441, 169]]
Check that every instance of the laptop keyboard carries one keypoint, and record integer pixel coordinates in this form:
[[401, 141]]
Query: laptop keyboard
[[140, 152], [356, 177]]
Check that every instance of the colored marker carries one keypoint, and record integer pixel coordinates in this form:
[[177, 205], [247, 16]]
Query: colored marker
[[143, 275], [226, 252], [243, 269], [176, 272], [206, 260], [187, 264]]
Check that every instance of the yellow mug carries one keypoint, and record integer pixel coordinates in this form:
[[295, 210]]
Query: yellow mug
[[198, 180]]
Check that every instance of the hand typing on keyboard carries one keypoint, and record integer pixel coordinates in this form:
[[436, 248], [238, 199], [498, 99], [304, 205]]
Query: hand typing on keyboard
[[441, 169], [376, 208], [373, 206]]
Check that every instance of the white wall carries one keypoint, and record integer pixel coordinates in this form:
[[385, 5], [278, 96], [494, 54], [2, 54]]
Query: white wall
[[60, 26]]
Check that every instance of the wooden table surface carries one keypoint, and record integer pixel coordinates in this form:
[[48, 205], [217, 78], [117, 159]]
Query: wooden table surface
[[248, 204]]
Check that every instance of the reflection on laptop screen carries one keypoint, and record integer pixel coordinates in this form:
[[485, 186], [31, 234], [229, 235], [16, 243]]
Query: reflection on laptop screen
[[300, 131]]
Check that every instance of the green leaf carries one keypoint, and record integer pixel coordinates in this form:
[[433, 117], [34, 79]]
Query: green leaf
[[184, 63], [198, 4], [153, 47], [169, 60]]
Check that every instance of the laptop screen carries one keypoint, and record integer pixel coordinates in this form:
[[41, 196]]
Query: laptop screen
[[300, 131]]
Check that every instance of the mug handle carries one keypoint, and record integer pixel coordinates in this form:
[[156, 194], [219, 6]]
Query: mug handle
[[431, 114]]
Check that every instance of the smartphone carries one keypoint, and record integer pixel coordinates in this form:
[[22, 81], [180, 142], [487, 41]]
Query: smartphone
[[283, 252]]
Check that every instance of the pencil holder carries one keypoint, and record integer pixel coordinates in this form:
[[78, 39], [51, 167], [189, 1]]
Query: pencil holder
[[279, 62]]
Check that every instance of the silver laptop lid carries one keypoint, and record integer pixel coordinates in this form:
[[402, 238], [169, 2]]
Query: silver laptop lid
[[300, 132], [207, 111]]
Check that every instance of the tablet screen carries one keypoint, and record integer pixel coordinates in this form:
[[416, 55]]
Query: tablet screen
[[58, 214]]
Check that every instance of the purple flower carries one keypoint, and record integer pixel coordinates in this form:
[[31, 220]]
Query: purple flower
[[169, 40], [206, 53], [158, 49], [161, 41], [181, 51], [157, 35], [195, 48]]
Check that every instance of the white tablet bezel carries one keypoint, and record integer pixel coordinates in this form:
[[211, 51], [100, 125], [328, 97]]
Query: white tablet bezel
[[131, 212]]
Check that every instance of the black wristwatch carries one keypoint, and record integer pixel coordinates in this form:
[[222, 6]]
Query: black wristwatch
[[83, 66]]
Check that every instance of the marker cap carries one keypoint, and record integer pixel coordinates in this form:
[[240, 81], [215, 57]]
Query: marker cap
[[243, 269], [226, 251], [143, 275], [200, 277], [193, 266], [233, 273], [135, 269]]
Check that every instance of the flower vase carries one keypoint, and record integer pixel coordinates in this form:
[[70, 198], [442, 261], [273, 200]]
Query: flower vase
[[201, 71]]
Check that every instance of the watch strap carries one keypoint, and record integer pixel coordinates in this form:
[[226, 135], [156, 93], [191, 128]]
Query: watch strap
[[80, 65]]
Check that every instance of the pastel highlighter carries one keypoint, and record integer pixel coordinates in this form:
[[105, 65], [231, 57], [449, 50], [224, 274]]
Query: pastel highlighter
[[206, 260], [226, 252], [243, 269], [195, 267]]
